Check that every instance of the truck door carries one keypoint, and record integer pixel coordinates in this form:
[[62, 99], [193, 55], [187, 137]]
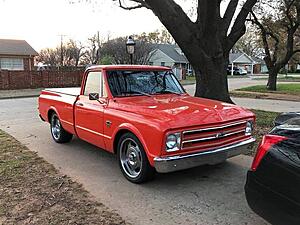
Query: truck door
[[89, 114]]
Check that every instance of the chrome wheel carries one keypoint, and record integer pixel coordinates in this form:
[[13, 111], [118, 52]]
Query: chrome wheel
[[55, 127], [130, 158]]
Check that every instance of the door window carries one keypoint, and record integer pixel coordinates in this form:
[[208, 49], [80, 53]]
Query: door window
[[93, 83]]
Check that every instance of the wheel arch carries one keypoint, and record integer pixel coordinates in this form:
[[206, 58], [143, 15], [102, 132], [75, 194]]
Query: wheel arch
[[128, 128], [50, 112]]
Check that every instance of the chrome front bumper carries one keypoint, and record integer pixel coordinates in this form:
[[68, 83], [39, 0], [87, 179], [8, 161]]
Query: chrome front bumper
[[215, 156]]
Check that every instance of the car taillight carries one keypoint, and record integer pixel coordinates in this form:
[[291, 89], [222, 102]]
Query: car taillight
[[266, 143]]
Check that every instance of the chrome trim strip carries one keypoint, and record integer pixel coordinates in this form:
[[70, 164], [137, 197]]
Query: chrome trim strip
[[211, 157], [213, 137], [93, 132], [214, 128], [169, 158], [69, 123]]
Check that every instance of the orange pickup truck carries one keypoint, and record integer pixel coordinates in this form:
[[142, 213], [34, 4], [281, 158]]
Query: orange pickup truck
[[143, 114]]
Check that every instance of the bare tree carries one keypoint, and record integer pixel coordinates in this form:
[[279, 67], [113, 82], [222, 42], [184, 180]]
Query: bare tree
[[74, 51], [279, 25], [157, 37], [250, 44], [116, 48], [49, 56], [206, 42], [92, 54]]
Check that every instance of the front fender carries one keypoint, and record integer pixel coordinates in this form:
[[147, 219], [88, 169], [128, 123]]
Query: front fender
[[143, 136]]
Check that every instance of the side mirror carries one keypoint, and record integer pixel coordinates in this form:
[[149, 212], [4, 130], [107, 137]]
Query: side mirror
[[282, 118], [94, 96]]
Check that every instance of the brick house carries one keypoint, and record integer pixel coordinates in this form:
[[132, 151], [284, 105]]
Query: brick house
[[16, 55]]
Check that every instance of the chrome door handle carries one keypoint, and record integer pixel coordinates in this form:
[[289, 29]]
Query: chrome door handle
[[79, 104]]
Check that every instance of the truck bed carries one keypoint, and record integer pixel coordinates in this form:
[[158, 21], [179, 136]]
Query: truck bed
[[61, 101], [73, 91]]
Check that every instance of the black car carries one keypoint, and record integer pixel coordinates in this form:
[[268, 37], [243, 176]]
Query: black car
[[273, 182]]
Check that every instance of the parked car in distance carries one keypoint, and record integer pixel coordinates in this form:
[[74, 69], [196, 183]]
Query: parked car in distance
[[236, 71], [273, 182], [142, 114]]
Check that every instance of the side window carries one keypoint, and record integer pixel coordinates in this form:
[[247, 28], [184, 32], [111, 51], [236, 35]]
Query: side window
[[93, 83]]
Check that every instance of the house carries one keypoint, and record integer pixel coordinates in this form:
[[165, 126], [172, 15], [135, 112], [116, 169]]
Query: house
[[242, 60], [170, 55], [16, 55], [260, 66]]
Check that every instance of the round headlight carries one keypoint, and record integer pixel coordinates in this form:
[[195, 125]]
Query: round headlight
[[249, 128], [171, 141]]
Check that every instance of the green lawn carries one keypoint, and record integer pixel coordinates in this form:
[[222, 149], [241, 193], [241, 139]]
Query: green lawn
[[264, 123], [292, 89]]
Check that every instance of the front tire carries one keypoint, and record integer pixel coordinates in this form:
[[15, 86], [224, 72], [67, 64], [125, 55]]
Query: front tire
[[59, 134], [133, 160]]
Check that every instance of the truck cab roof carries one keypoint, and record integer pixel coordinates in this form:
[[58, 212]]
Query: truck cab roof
[[128, 67]]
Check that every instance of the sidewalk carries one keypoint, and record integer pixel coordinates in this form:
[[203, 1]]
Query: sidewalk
[[268, 105], [21, 93]]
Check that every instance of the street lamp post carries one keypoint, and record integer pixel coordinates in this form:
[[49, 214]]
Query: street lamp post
[[130, 47]]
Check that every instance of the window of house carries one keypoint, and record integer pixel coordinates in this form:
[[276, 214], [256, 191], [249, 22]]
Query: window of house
[[162, 63], [93, 83], [11, 64]]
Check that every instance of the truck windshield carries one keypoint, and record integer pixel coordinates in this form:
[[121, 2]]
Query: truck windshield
[[128, 83]]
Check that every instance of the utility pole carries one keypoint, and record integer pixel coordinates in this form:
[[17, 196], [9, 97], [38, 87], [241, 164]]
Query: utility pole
[[61, 49], [98, 49]]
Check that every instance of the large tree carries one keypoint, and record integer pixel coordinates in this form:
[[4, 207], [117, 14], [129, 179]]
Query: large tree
[[278, 22], [206, 41]]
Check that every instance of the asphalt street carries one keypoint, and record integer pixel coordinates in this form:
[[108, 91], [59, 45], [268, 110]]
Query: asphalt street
[[204, 195]]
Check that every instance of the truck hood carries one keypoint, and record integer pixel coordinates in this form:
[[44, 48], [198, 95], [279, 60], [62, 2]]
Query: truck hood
[[183, 111]]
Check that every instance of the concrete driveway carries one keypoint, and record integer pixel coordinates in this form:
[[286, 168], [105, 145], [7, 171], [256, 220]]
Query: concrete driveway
[[204, 195]]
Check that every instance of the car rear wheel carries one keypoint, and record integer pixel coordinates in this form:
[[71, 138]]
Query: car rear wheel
[[58, 133], [133, 160]]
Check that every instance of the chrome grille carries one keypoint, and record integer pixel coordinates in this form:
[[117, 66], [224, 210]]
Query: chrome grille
[[211, 137]]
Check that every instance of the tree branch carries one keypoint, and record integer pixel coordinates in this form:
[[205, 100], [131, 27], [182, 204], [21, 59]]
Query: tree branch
[[264, 35], [239, 28], [228, 16], [140, 4]]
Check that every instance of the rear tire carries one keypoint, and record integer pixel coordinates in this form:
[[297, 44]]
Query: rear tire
[[59, 134], [133, 160]]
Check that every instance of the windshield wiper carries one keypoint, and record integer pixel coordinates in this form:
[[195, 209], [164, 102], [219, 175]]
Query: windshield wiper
[[137, 92], [168, 91]]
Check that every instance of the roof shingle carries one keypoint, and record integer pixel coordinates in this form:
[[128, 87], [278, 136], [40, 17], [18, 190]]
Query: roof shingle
[[170, 50], [16, 47]]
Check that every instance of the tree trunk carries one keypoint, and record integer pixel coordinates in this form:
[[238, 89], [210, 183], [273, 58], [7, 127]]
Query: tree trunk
[[272, 81], [211, 79]]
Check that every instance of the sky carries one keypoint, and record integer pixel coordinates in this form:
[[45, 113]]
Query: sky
[[41, 22]]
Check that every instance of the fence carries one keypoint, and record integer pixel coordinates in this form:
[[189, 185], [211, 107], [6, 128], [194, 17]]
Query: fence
[[10, 80]]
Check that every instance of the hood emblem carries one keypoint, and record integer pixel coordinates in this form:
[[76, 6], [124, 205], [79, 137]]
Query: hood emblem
[[220, 135]]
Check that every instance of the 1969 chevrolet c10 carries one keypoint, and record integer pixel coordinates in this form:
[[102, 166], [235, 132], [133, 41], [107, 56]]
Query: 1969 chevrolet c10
[[142, 114]]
